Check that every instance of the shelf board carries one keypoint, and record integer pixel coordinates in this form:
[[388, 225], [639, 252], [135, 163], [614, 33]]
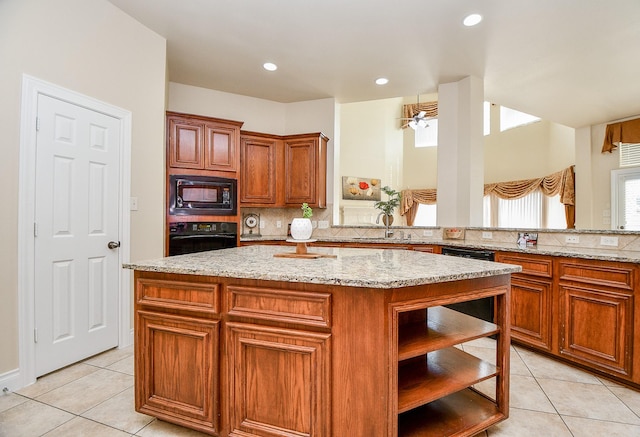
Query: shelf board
[[445, 327], [463, 413], [443, 372]]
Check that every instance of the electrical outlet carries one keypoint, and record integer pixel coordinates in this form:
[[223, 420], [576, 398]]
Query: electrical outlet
[[427, 233], [278, 224], [263, 224], [609, 241], [323, 224], [487, 235], [133, 203], [573, 239]]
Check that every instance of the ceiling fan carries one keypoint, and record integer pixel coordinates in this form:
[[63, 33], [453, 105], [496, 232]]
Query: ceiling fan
[[417, 121]]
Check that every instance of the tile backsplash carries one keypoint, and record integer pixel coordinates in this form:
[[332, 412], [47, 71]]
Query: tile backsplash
[[270, 217]]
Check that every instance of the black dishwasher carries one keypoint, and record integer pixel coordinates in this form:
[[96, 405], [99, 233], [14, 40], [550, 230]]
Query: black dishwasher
[[480, 308]]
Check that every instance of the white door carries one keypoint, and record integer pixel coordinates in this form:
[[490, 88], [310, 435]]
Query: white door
[[625, 199], [76, 216]]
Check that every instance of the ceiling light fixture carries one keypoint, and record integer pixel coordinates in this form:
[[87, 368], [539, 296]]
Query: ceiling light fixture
[[270, 66], [382, 81], [472, 20]]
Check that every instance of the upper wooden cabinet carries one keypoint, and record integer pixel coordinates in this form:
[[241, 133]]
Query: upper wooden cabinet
[[258, 157], [283, 171], [202, 143]]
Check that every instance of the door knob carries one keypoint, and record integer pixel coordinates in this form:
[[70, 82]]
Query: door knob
[[113, 244]]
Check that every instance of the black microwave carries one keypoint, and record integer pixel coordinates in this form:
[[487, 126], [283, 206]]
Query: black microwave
[[202, 195]]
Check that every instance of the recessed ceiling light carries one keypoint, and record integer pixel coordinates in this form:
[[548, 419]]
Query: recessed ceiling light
[[472, 20], [270, 66], [382, 81]]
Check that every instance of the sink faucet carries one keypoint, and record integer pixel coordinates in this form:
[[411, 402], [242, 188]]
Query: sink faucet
[[388, 233]]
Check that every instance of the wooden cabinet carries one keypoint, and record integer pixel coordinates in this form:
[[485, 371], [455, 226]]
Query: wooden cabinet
[[531, 299], [258, 158], [177, 339], [596, 314], [202, 143], [283, 171], [435, 378], [280, 381]]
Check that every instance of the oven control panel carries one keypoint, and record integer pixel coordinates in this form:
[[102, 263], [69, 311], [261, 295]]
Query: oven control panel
[[203, 228]]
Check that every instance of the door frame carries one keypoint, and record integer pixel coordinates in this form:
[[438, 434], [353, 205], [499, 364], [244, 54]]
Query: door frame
[[615, 188], [31, 89]]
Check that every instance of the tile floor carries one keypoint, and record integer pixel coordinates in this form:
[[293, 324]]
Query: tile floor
[[95, 398]]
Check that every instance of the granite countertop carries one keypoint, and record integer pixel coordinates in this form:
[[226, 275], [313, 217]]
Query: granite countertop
[[372, 268], [577, 252]]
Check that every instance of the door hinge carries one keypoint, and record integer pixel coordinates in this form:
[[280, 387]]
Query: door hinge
[[35, 229], [37, 124], [35, 335]]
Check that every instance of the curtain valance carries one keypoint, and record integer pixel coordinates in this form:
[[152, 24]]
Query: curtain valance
[[622, 132], [561, 182]]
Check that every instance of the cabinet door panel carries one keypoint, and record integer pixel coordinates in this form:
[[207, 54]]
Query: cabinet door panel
[[597, 328], [220, 148], [179, 369], [185, 144], [300, 164], [531, 312], [258, 160], [280, 381]]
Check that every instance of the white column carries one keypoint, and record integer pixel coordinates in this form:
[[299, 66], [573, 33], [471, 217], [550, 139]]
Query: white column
[[460, 153], [585, 215]]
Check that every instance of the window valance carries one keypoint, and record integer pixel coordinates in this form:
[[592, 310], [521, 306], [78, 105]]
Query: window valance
[[622, 132], [561, 182], [413, 109]]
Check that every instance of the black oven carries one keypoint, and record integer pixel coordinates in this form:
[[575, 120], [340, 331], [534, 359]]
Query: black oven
[[202, 195], [191, 237]]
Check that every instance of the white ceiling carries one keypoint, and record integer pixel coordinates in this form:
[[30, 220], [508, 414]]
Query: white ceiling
[[575, 62]]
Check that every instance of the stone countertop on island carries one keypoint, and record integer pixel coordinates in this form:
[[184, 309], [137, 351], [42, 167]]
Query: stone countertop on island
[[371, 268]]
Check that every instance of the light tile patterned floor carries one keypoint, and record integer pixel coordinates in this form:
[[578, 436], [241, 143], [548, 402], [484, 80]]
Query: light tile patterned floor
[[95, 398]]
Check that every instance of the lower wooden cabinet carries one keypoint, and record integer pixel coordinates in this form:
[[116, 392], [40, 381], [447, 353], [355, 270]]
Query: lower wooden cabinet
[[531, 299], [178, 374], [597, 328], [531, 311], [281, 381]]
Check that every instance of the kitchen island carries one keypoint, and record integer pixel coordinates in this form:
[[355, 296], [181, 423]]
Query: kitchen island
[[240, 342]]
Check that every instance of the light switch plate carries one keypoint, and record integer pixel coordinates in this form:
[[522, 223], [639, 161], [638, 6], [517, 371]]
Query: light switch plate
[[427, 233], [609, 241], [487, 235], [133, 203], [323, 224]]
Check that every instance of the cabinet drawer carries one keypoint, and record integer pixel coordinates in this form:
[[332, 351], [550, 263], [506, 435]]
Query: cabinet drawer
[[616, 275], [531, 265], [177, 295], [278, 305]]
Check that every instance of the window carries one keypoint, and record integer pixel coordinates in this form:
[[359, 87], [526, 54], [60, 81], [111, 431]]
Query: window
[[629, 154], [532, 211], [510, 118], [625, 199], [427, 136], [426, 215]]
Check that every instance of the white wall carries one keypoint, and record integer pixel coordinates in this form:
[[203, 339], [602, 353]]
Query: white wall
[[371, 144], [93, 48]]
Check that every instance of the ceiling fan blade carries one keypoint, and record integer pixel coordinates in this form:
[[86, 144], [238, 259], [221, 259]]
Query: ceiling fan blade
[[421, 114]]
